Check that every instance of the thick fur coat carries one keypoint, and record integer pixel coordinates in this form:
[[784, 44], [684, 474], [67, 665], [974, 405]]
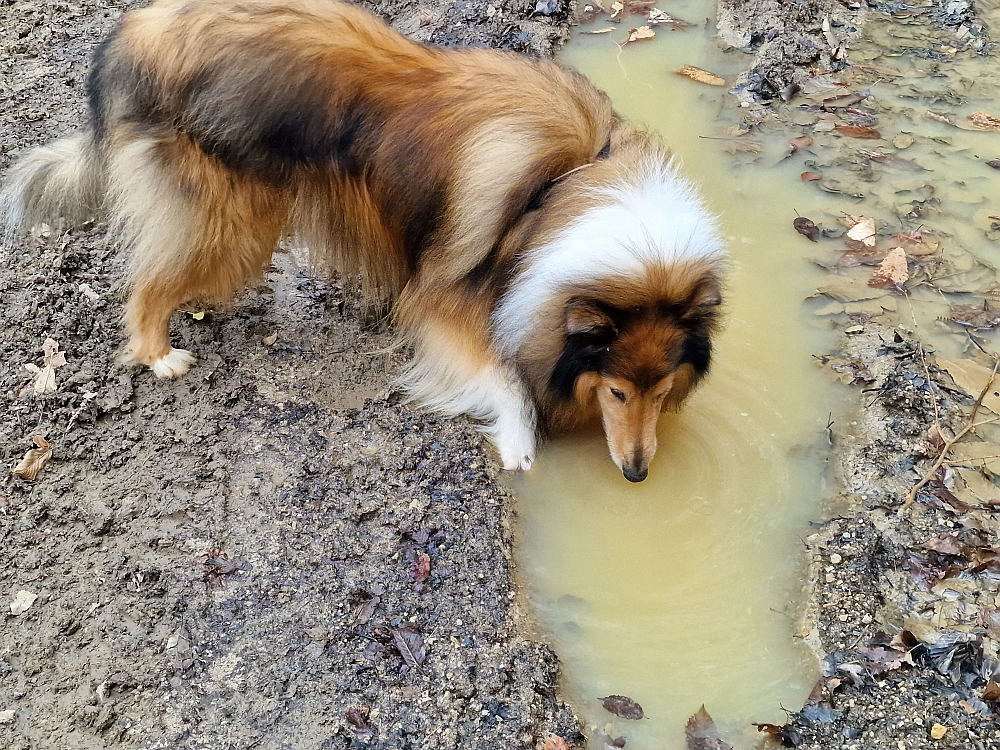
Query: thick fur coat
[[548, 264]]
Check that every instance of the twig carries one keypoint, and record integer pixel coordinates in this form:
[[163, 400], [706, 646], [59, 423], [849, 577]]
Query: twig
[[912, 494]]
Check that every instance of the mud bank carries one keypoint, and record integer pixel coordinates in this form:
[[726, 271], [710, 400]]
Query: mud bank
[[902, 607], [272, 552]]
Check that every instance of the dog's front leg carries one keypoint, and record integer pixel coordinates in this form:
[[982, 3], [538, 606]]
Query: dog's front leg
[[513, 429]]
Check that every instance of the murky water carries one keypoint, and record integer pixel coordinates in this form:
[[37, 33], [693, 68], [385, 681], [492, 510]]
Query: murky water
[[686, 589]]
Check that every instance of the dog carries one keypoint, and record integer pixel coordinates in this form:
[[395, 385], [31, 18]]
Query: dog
[[548, 264]]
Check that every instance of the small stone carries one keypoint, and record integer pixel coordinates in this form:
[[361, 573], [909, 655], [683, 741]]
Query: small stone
[[902, 141], [938, 731], [7, 717], [842, 617], [22, 602], [836, 559], [854, 329]]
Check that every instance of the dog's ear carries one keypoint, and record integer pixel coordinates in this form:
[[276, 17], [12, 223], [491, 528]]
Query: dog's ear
[[706, 295], [584, 317]]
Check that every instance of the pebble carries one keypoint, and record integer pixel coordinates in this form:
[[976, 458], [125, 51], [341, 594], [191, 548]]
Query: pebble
[[938, 731], [836, 559], [7, 717]]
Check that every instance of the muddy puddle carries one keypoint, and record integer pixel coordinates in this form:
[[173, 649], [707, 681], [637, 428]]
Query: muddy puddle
[[687, 589]]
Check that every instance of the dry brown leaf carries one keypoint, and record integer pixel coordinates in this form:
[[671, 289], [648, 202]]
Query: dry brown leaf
[[34, 460], [856, 131], [972, 377], [269, 340], [892, 271], [637, 35], [863, 231], [701, 76], [555, 742], [811, 176], [983, 121]]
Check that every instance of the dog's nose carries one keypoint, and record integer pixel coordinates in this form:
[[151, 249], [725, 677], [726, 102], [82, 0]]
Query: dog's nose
[[635, 475]]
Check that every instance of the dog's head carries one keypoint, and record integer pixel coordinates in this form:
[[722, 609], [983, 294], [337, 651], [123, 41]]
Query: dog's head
[[634, 361]]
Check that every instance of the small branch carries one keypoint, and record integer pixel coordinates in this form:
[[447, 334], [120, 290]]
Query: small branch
[[912, 494]]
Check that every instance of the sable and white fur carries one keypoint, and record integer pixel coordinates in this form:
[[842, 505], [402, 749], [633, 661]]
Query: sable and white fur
[[548, 264]]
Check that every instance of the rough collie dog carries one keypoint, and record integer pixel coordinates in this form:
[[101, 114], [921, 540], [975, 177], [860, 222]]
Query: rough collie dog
[[548, 264]]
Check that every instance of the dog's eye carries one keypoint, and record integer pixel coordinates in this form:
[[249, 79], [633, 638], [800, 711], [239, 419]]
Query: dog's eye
[[618, 395]]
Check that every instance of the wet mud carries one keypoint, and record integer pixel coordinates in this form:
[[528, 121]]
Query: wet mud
[[272, 552]]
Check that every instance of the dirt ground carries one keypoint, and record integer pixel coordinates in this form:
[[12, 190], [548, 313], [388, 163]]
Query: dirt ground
[[274, 552], [241, 558]]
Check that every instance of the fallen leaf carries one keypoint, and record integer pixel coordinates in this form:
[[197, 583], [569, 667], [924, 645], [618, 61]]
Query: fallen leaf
[[701, 733], [972, 377], [978, 317], [555, 742], [701, 76], [364, 610], [806, 227], [856, 131], [995, 163], [846, 100], [892, 271], [903, 140], [991, 692], [22, 602], [978, 489], [938, 731], [863, 231], [269, 340], [617, 11], [199, 315], [803, 141], [637, 35], [622, 706], [983, 121], [658, 18], [811, 176], [410, 645], [421, 567], [600, 31], [846, 289], [34, 460], [742, 146], [946, 544]]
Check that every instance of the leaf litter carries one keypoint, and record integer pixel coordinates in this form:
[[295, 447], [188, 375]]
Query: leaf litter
[[701, 733], [34, 460], [623, 706]]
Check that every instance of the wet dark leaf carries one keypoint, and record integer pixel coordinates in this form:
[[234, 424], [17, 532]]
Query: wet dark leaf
[[995, 163], [846, 100], [421, 567], [977, 317], [410, 645], [891, 160], [364, 610], [789, 736], [622, 706], [857, 131], [811, 176], [358, 718], [806, 228], [819, 713], [921, 571], [790, 91], [946, 544], [701, 733]]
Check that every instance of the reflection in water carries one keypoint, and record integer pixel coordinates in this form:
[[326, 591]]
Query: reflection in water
[[683, 590]]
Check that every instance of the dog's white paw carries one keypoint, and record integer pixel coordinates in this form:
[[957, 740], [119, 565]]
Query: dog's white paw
[[517, 447], [174, 364]]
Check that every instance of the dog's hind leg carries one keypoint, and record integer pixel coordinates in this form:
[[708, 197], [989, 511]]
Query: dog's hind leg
[[194, 229]]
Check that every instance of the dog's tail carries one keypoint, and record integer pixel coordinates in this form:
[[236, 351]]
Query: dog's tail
[[61, 183]]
